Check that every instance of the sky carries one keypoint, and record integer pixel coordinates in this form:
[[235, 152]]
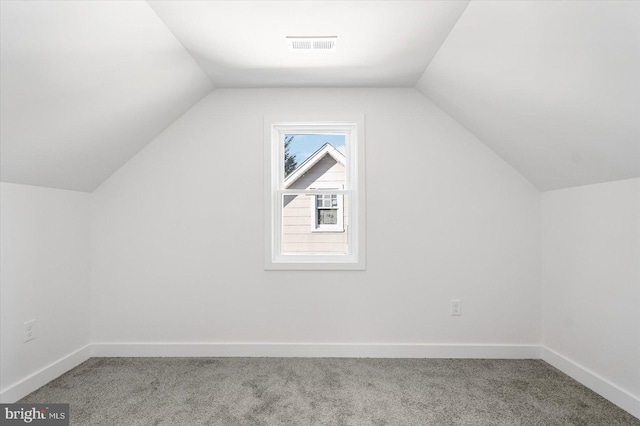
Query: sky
[[303, 146]]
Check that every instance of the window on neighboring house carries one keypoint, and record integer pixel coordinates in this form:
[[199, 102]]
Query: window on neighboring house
[[327, 212], [315, 194]]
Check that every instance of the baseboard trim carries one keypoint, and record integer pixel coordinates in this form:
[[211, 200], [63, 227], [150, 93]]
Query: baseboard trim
[[43, 376], [319, 350], [596, 383]]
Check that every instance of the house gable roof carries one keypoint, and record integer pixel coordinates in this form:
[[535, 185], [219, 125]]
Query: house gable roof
[[312, 160]]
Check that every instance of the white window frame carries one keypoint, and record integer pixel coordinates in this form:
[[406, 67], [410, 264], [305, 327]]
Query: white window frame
[[352, 127]]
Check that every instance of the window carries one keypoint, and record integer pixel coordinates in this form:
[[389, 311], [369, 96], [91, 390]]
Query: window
[[328, 209], [327, 212], [314, 184]]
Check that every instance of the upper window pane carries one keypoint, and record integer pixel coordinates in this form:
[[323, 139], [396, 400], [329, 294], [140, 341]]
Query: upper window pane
[[315, 158]]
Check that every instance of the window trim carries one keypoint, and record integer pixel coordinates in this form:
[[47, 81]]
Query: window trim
[[351, 125]]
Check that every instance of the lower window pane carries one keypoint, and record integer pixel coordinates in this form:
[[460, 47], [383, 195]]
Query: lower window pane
[[327, 217], [308, 228]]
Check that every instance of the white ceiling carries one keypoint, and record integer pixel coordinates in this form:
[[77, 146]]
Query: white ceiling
[[84, 86], [552, 87], [242, 43]]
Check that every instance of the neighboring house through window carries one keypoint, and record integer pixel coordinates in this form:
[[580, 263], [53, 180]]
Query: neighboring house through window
[[324, 169]]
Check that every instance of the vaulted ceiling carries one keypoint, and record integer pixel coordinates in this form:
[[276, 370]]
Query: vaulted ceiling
[[552, 87], [84, 86], [242, 44]]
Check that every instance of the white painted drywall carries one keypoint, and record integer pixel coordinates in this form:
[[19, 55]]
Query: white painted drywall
[[551, 86], [591, 279], [243, 43], [44, 276], [177, 234], [85, 85]]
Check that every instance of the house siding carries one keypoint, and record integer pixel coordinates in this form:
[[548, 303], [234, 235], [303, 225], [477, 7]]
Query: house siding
[[298, 213]]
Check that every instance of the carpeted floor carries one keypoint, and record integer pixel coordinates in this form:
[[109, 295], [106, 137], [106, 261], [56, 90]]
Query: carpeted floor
[[325, 391]]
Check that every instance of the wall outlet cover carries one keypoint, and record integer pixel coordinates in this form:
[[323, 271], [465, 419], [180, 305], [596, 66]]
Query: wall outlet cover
[[29, 330]]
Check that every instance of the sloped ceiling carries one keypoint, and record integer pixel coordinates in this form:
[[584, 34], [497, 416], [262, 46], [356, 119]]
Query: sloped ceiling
[[84, 86], [551, 86], [379, 44]]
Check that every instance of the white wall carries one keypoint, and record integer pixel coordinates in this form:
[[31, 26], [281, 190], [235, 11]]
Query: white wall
[[591, 280], [45, 276], [177, 234]]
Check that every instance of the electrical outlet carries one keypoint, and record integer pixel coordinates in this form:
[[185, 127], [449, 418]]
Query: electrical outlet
[[456, 307], [29, 330]]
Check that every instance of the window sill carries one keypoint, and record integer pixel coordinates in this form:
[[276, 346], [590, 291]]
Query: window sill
[[319, 265]]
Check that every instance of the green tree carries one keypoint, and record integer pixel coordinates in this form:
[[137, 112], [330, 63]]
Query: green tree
[[290, 162]]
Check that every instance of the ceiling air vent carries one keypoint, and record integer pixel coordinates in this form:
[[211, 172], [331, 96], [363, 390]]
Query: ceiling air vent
[[307, 44]]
